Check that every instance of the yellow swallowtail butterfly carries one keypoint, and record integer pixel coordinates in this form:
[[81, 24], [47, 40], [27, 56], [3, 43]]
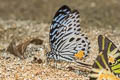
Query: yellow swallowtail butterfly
[[107, 64]]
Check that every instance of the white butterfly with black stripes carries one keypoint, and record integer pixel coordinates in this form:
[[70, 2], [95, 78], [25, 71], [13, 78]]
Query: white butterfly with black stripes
[[66, 40]]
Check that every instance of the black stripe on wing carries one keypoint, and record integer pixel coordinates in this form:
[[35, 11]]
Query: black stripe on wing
[[65, 10], [57, 21], [104, 42]]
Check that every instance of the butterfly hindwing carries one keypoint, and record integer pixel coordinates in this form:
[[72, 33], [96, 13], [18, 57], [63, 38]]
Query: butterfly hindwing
[[99, 64], [72, 37]]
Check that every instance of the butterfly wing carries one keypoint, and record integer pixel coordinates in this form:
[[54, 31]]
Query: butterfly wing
[[73, 40], [103, 47], [107, 46], [56, 25], [101, 69], [100, 63], [65, 36]]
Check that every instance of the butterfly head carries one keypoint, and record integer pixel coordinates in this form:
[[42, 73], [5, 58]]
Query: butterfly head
[[50, 55]]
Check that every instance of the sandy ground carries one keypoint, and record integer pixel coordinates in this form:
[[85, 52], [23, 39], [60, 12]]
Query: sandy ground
[[21, 20], [14, 68]]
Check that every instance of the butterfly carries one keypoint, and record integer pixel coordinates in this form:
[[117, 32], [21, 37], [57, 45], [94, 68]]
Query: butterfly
[[66, 39], [107, 64]]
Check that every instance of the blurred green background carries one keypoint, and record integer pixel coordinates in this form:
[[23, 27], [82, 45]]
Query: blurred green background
[[99, 13]]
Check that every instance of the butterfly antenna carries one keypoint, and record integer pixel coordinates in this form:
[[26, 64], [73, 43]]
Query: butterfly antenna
[[84, 65]]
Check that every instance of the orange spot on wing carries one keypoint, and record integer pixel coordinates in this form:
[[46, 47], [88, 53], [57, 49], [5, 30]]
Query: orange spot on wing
[[79, 55], [111, 59]]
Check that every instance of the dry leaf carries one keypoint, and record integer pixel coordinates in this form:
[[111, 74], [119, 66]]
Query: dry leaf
[[18, 50]]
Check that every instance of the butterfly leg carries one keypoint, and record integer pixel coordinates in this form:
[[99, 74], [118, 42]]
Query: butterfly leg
[[55, 63], [60, 64]]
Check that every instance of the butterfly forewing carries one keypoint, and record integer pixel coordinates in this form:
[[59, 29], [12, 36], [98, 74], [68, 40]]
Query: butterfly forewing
[[105, 44], [103, 47], [70, 30], [56, 26]]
